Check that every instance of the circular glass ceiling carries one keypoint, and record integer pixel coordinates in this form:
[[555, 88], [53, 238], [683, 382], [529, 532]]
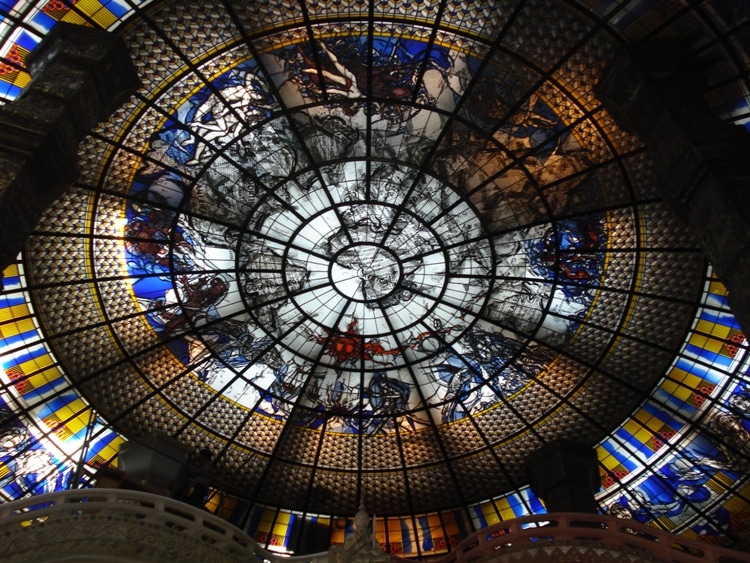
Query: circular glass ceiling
[[381, 252], [362, 285], [364, 294], [353, 235]]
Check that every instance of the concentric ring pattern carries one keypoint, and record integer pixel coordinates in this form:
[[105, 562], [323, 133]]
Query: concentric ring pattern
[[383, 251], [369, 233]]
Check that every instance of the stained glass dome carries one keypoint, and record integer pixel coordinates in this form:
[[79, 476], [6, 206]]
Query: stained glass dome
[[378, 251]]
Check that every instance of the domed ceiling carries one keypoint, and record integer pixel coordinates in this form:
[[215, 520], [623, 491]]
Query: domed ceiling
[[381, 251]]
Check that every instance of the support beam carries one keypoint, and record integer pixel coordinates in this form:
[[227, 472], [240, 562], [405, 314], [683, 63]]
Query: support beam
[[80, 76], [565, 475], [702, 163]]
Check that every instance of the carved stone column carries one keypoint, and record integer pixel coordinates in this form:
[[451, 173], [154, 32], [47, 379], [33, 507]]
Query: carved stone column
[[702, 163], [565, 475], [80, 76]]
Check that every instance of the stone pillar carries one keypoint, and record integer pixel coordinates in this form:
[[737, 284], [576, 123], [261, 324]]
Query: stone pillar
[[158, 461], [702, 163], [565, 475], [80, 76]]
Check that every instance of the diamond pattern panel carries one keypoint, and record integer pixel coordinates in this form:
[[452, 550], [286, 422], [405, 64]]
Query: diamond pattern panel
[[512, 455], [420, 448], [662, 228], [637, 362], [461, 438], [114, 390], [64, 258], [385, 492], [499, 422], [236, 468], [479, 475], [67, 214], [75, 351], [381, 451], [286, 482], [544, 32], [299, 444], [590, 343], [605, 399], [653, 316], [423, 483], [570, 424], [609, 314], [222, 417], [687, 273], [71, 309], [259, 433], [338, 451], [334, 492]]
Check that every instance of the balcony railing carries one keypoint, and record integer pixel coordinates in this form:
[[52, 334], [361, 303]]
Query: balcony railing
[[118, 525], [590, 532], [123, 526]]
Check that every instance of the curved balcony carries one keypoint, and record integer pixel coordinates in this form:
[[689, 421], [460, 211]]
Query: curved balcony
[[117, 525], [583, 538]]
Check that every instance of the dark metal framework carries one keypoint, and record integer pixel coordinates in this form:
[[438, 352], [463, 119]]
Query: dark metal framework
[[593, 367]]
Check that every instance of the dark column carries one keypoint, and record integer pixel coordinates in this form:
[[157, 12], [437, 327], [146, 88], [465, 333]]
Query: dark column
[[702, 163], [80, 76], [565, 475]]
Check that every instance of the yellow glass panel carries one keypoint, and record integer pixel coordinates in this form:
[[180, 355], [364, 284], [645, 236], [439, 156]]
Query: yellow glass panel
[[74, 17], [44, 377], [339, 531], [490, 514], [98, 13], [36, 364], [451, 527], [640, 433], [505, 510], [10, 313]]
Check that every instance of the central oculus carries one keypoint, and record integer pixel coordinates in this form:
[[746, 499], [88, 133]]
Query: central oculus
[[365, 272]]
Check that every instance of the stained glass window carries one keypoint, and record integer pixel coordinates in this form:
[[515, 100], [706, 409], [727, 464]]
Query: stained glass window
[[379, 252]]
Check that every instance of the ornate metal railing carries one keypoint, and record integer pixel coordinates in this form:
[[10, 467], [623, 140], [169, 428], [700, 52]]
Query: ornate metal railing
[[118, 525]]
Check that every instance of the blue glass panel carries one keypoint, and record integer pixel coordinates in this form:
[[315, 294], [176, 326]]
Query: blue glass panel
[[43, 22], [406, 536], [719, 317], [43, 390], [9, 91], [20, 338], [621, 455], [666, 417], [684, 407], [701, 370], [478, 515], [709, 356], [7, 5], [642, 451], [29, 354], [535, 504], [426, 532], [119, 9], [27, 41]]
